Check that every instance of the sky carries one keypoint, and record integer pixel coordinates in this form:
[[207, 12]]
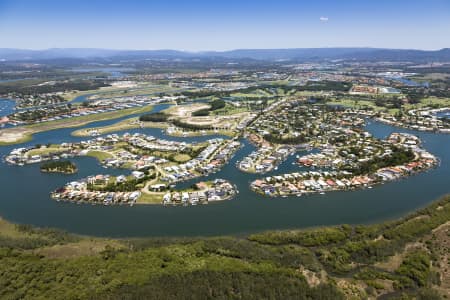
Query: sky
[[197, 25]]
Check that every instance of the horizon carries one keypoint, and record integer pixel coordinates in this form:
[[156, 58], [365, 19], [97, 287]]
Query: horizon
[[201, 26], [218, 51]]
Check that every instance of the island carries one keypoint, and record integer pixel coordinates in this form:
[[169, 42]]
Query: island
[[64, 167]]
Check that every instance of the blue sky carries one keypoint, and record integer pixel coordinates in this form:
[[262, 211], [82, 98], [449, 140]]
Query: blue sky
[[222, 25]]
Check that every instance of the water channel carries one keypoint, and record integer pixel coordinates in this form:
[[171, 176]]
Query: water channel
[[24, 196]]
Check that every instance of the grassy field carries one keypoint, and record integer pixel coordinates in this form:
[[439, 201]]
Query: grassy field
[[131, 123], [229, 109], [356, 103], [110, 92], [256, 94], [181, 158], [9, 229], [142, 90], [82, 120], [430, 101], [150, 198], [45, 150], [426, 102], [85, 247], [24, 133], [100, 155]]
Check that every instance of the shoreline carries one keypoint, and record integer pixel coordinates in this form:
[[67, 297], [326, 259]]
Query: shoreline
[[22, 134], [203, 196], [344, 189], [403, 217]]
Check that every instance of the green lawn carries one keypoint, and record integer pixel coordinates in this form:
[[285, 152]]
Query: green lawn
[[426, 102], [100, 155], [154, 198], [25, 133], [43, 151]]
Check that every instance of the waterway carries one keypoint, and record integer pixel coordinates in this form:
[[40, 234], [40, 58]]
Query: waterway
[[25, 196], [443, 114], [6, 107], [410, 82], [113, 72]]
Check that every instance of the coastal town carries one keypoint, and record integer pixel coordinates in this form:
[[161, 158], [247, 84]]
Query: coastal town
[[136, 152], [241, 150], [339, 178], [174, 128], [342, 155]]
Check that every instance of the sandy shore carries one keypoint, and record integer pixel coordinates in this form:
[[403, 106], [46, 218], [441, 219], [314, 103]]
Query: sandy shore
[[24, 133], [14, 135]]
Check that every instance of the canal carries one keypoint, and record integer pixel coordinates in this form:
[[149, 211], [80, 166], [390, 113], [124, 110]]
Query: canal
[[25, 196]]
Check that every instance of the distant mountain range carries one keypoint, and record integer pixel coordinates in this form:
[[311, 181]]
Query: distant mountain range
[[297, 54]]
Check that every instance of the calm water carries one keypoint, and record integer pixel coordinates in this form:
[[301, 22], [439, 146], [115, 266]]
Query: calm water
[[25, 197], [114, 72], [410, 82], [6, 107], [443, 114]]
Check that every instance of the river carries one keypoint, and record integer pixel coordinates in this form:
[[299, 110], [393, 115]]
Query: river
[[25, 196], [6, 107]]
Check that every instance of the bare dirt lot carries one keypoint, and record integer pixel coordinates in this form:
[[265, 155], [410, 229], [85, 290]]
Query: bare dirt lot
[[182, 111]]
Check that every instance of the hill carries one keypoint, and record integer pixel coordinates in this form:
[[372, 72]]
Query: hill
[[296, 54]]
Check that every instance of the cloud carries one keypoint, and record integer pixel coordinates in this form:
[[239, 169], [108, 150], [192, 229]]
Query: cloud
[[323, 19]]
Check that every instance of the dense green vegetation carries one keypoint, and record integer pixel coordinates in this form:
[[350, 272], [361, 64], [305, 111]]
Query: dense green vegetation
[[154, 117], [399, 156], [327, 86], [279, 139], [32, 238], [42, 113], [201, 112], [31, 88], [64, 166], [227, 285], [130, 185], [215, 105], [415, 270], [261, 266], [191, 126]]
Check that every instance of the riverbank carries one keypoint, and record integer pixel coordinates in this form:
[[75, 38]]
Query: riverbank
[[370, 204], [425, 119], [134, 123], [17, 135], [343, 174], [173, 163], [86, 191], [335, 262], [191, 126], [128, 124]]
